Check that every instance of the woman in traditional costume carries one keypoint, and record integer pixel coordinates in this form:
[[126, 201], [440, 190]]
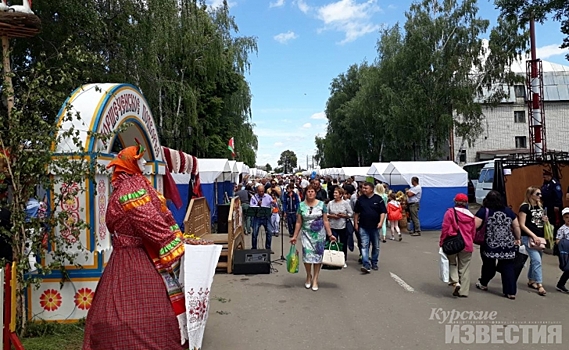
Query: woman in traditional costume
[[139, 303]]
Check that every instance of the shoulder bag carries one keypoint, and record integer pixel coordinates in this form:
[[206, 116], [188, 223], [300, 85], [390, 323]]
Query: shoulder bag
[[333, 258], [481, 231], [454, 244]]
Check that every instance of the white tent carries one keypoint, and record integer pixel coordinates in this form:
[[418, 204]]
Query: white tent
[[430, 174], [243, 168], [235, 171], [359, 173], [376, 170], [212, 170]]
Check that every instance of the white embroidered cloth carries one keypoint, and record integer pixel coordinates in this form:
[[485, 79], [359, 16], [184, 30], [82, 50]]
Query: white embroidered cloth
[[198, 270]]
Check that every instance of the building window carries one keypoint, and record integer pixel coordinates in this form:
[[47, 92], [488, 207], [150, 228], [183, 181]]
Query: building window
[[521, 142], [520, 91], [519, 116]]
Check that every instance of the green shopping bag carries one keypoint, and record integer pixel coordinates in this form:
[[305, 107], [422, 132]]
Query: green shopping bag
[[292, 260], [336, 246]]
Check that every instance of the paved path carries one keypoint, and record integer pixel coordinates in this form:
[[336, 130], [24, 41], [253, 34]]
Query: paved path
[[387, 309]]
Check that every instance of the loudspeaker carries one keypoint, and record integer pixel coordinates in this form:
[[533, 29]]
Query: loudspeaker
[[252, 262]]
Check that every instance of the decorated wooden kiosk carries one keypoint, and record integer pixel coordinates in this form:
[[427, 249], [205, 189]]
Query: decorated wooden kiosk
[[102, 109], [99, 108]]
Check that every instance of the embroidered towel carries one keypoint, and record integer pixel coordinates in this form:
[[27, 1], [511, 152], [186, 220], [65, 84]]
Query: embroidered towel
[[199, 266]]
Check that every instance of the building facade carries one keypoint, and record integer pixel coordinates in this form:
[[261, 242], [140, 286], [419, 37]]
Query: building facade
[[506, 126]]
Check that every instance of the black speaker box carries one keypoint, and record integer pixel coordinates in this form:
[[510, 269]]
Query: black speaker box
[[252, 262]]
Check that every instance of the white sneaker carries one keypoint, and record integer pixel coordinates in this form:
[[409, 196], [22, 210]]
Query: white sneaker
[[345, 265]]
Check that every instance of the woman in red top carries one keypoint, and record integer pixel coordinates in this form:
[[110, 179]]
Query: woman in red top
[[459, 218], [394, 215]]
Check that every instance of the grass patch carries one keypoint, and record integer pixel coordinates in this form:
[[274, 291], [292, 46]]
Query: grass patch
[[54, 336]]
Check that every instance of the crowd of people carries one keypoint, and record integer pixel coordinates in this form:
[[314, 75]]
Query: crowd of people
[[323, 209], [508, 239]]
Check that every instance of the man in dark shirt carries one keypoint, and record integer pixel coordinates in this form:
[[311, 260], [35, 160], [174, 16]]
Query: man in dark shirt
[[369, 214], [331, 187], [321, 194], [245, 197], [349, 186], [552, 197]]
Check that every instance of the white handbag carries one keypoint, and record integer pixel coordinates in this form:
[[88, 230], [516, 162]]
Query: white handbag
[[333, 258]]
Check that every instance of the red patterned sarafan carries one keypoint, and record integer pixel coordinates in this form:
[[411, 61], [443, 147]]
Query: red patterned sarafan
[[101, 189], [50, 300], [84, 298], [197, 305], [70, 204]]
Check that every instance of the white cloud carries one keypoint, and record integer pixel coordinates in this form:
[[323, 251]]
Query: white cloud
[[392, 7], [303, 6], [319, 115], [279, 144], [307, 126], [277, 3], [550, 51], [218, 3], [350, 17], [283, 38]]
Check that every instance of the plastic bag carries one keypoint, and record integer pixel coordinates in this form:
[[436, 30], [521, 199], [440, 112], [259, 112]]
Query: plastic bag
[[444, 272], [292, 260], [548, 233]]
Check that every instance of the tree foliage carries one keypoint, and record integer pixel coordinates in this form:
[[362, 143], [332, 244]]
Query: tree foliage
[[523, 10], [186, 58], [287, 161], [427, 82]]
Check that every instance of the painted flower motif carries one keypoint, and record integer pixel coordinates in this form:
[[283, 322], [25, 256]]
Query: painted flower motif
[[317, 225], [84, 298], [50, 300], [319, 248]]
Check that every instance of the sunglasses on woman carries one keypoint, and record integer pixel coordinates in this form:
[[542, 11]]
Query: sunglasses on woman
[[310, 211], [538, 194]]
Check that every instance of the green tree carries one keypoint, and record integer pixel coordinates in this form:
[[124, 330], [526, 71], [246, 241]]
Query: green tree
[[431, 79], [287, 161], [521, 11], [28, 135], [268, 167]]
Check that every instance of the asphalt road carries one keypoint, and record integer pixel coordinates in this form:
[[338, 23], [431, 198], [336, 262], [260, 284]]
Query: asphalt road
[[394, 308]]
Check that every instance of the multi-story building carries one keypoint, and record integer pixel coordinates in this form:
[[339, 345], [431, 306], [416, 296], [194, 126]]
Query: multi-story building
[[506, 128]]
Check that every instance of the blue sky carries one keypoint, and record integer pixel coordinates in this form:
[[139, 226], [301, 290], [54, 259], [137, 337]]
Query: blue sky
[[304, 44]]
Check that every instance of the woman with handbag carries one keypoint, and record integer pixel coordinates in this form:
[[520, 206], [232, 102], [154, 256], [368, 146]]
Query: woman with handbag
[[532, 217], [459, 221], [312, 221], [501, 240], [338, 211]]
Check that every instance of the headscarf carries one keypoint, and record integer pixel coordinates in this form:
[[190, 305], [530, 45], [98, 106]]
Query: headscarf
[[127, 161]]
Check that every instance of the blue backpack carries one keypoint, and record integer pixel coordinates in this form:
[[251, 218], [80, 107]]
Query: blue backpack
[[563, 251]]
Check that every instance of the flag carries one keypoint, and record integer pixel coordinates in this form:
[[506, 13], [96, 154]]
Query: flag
[[231, 146]]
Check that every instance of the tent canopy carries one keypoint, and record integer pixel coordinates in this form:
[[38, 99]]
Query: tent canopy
[[359, 173], [440, 182], [376, 170], [211, 170], [243, 168], [430, 174]]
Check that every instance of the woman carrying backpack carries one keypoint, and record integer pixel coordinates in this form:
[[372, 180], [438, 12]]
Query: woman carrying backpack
[[459, 220]]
